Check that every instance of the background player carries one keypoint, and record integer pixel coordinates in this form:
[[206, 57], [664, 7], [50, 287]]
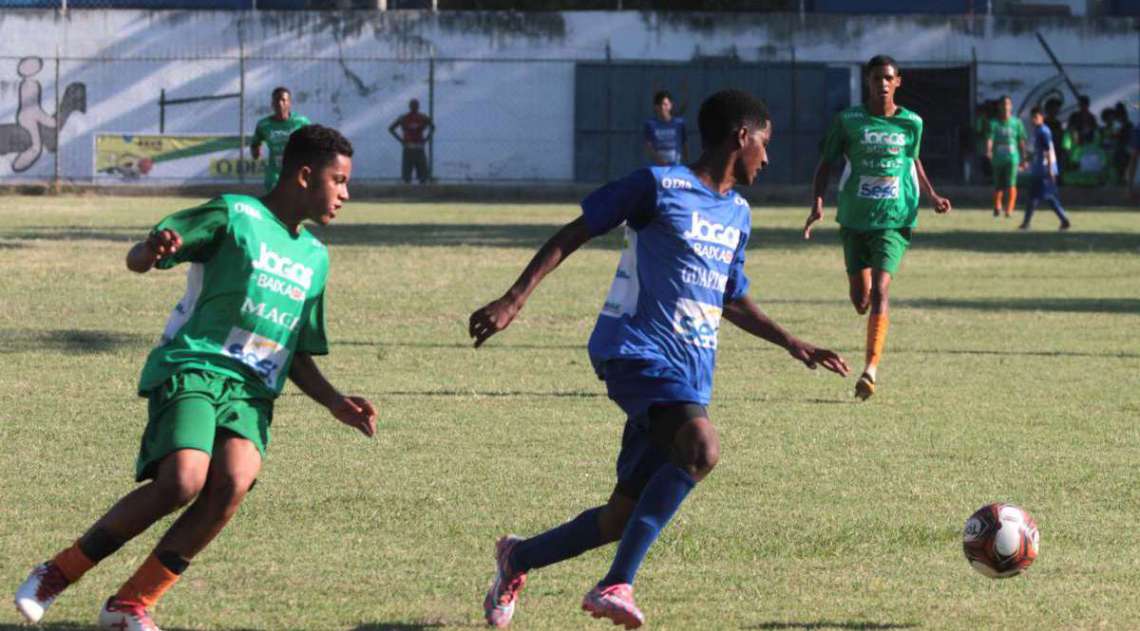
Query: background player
[[878, 198], [416, 129], [665, 136], [1005, 147], [1043, 172], [654, 344], [253, 313], [274, 131]]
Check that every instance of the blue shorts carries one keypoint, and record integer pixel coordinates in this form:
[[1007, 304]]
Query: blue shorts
[[646, 442], [634, 385]]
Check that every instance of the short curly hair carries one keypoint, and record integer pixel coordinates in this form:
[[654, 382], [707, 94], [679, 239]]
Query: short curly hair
[[314, 146]]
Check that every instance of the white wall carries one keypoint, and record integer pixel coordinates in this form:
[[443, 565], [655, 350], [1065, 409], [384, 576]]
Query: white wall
[[504, 96]]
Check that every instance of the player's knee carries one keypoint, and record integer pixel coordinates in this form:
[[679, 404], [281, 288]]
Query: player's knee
[[180, 487], [228, 489], [699, 453]]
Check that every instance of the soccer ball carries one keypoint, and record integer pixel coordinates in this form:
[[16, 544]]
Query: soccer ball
[[1000, 540]]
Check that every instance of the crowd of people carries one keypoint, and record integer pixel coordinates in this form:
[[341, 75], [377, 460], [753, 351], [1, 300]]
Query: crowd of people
[[1090, 151]]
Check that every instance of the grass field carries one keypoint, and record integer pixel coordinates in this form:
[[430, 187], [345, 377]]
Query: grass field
[[1012, 373]]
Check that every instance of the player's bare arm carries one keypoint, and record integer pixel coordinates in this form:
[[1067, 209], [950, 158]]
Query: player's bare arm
[[498, 314], [146, 253], [818, 189], [746, 314], [392, 130], [351, 410], [941, 204]]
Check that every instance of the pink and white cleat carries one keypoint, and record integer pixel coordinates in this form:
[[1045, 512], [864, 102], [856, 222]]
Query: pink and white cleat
[[40, 590], [614, 602], [123, 615], [499, 605]]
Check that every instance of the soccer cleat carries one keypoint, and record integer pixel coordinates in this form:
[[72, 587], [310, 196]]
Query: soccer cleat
[[40, 590], [499, 605], [865, 387], [614, 602], [1066, 226], [123, 615], [997, 212]]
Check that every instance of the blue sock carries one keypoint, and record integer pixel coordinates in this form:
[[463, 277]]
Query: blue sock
[[659, 501], [558, 544]]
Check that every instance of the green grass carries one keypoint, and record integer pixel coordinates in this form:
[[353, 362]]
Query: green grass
[[1012, 372]]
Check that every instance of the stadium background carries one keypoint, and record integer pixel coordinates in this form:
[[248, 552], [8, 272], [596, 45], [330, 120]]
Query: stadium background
[[546, 96]]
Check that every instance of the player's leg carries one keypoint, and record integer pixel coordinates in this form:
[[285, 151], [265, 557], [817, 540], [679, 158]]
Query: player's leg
[[514, 556], [857, 259], [422, 166], [1053, 198], [888, 249], [233, 469], [1011, 202], [1036, 193], [174, 456], [406, 166], [684, 432]]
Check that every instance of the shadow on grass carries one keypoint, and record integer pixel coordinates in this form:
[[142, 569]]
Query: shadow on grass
[[1044, 303], [73, 626], [399, 626], [530, 236], [828, 624], [461, 345], [68, 340]]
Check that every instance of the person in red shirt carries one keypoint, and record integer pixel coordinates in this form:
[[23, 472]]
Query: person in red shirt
[[416, 129]]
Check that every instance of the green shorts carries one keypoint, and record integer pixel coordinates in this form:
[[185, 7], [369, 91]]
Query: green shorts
[[189, 408], [1005, 175], [876, 249]]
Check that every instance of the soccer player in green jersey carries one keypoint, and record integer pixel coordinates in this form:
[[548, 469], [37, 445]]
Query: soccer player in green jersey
[[274, 132], [878, 198], [252, 316], [1005, 147]]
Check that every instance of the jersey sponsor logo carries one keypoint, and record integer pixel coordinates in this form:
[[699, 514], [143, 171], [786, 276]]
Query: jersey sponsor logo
[[702, 229], [739, 201], [280, 317], [886, 187], [707, 278], [890, 138], [273, 263], [245, 209], [713, 252], [676, 182], [264, 356], [278, 286], [697, 323], [886, 164]]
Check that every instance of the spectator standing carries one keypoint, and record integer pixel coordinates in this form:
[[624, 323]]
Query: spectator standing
[[1133, 158], [416, 129], [1122, 135], [1057, 130], [1082, 123], [665, 142]]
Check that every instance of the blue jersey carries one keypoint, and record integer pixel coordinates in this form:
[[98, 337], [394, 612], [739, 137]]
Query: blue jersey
[[667, 138], [683, 259], [1042, 147]]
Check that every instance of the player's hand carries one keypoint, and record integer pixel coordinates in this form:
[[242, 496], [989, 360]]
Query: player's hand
[[815, 215], [941, 204], [494, 317], [811, 357], [356, 412], [163, 243]]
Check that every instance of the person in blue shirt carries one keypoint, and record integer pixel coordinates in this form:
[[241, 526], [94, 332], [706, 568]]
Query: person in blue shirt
[[654, 344], [1043, 172], [665, 141]]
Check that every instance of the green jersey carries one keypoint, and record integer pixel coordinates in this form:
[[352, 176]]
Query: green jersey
[[275, 134], [254, 296], [879, 186], [1007, 136]]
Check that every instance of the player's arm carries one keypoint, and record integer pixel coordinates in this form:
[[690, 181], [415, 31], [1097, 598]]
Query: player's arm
[[746, 314], [818, 190], [498, 314], [351, 410], [392, 130], [158, 245], [941, 204]]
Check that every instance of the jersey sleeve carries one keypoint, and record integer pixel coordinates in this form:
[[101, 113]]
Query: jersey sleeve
[[834, 142], [647, 131], [312, 339], [738, 283], [917, 139], [632, 199], [201, 229]]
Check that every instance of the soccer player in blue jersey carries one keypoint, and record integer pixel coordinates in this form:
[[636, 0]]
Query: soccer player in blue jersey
[[1043, 172], [654, 344], [665, 142]]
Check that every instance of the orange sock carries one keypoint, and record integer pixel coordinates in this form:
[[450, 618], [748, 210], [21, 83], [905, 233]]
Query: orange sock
[[148, 583], [1012, 200], [73, 563], [876, 337], [997, 201]]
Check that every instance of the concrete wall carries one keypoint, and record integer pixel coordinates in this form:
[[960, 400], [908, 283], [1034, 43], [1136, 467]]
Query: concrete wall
[[503, 83]]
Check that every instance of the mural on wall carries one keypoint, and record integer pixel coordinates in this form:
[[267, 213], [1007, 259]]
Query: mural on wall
[[35, 130]]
